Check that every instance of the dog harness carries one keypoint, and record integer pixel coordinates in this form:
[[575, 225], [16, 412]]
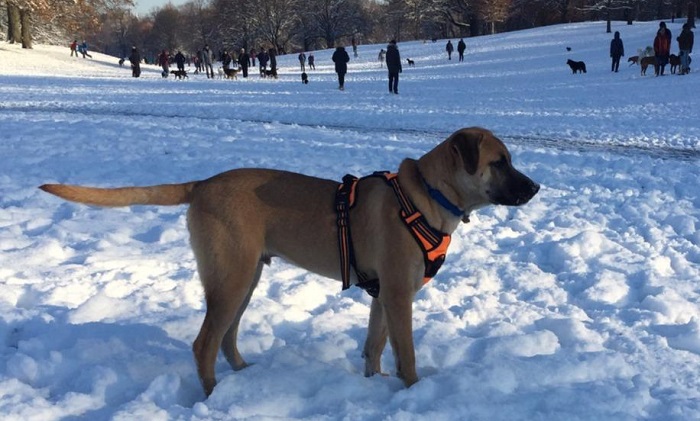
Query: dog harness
[[433, 243]]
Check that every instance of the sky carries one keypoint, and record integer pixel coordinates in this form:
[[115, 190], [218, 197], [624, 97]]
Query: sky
[[144, 7], [580, 305]]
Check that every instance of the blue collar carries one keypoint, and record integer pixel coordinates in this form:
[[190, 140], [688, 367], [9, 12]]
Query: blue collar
[[442, 200]]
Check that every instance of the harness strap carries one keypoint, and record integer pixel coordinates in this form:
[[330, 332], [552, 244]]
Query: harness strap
[[344, 199], [434, 243]]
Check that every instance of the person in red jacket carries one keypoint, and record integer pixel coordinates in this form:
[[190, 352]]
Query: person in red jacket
[[662, 48]]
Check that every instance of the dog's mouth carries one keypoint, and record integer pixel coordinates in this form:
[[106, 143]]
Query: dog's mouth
[[518, 194]]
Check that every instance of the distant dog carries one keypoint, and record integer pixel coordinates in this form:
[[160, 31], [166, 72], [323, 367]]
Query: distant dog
[[180, 74], [675, 62], [645, 62], [304, 78], [411, 63], [576, 66], [121, 62], [268, 73], [231, 73], [633, 60], [221, 73]]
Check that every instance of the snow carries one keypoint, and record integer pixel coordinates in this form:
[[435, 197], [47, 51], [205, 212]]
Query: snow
[[581, 305]]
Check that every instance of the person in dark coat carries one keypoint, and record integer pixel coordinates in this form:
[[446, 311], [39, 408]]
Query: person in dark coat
[[227, 60], [135, 60], [180, 60], [662, 48], [208, 61], [243, 61], [273, 60], [341, 59], [617, 50], [685, 45], [263, 58], [393, 64], [449, 48], [461, 46]]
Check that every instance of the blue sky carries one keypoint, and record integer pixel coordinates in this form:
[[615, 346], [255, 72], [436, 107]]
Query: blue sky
[[143, 7]]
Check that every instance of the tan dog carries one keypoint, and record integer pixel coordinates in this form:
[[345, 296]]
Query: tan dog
[[645, 62], [240, 219], [633, 60]]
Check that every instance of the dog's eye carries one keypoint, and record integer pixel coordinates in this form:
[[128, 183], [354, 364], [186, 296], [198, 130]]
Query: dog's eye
[[501, 163]]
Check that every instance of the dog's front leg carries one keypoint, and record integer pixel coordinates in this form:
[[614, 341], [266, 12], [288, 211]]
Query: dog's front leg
[[398, 311], [376, 339]]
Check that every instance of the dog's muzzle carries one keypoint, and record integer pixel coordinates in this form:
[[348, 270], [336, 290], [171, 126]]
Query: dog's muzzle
[[517, 191]]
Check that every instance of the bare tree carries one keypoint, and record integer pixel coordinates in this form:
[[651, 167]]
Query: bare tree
[[14, 26], [166, 24], [336, 19], [493, 12], [606, 8], [276, 19], [198, 24]]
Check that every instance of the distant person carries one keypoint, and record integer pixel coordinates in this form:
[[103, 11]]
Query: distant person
[[685, 45], [164, 62], [341, 59], [380, 57], [272, 54], [253, 55], [135, 60], [263, 58], [180, 60], [227, 60], [393, 64], [243, 61], [617, 50], [312, 61], [74, 48], [662, 48], [354, 47], [449, 48], [83, 48], [461, 46], [302, 61], [207, 60]]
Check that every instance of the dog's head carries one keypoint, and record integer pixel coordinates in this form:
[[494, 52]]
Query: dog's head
[[487, 161], [479, 171]]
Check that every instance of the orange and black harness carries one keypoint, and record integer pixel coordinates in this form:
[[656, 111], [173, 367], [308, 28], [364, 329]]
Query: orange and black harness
[[432, 242]]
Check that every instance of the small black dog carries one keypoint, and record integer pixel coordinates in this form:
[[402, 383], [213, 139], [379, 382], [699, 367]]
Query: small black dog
[[411, 63], [121, 62], [304, 78], [180, 74], [577, 66], [268, 73]]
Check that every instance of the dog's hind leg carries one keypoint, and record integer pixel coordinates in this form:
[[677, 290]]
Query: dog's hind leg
[[228, 345], [227, 269], [377, 334]]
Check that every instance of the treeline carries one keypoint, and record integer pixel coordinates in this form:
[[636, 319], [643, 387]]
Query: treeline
[[110, 26]]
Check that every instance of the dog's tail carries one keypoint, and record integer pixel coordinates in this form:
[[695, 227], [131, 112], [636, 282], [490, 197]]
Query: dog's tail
[[164, 194]]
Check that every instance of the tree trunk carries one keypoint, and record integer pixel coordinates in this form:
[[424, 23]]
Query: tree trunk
[[14, 27], [26, 18]]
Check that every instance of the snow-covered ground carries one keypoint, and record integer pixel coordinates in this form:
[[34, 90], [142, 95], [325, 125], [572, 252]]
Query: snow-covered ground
[[581, 305]]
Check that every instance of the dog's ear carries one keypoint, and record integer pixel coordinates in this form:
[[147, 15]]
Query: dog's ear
[[465, 144]]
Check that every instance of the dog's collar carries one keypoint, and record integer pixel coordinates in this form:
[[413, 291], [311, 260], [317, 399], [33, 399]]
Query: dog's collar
[[442, 200]]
